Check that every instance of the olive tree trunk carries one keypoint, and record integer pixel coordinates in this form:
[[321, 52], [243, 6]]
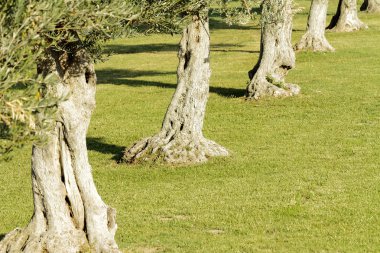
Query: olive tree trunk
[[277, 56], [315, 39], [346, 18], [371, 6], [181, 139], [69, 215]]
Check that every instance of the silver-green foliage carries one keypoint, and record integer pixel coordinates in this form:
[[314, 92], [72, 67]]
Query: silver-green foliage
[[28, 29]]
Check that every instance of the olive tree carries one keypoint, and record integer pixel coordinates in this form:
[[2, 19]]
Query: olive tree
[[346, 18], [181, 139], [370, 6], [69, 215], [314, 39], [277, 57]]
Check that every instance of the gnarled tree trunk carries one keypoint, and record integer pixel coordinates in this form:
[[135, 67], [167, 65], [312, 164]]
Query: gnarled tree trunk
[[346, 18], [181, 139], [277, 57], [315, 39], [69, 215], [371, 6]]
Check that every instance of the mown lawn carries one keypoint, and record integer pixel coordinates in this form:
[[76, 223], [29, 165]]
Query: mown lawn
[[303, 175]]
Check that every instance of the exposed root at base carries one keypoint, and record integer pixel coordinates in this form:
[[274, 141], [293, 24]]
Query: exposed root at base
[[312, 43], [267, 89], [23, 240], [349, 27], [30, 241], [182, 149]]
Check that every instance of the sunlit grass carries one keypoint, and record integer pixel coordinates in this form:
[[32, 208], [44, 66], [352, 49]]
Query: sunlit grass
[[303, 175]]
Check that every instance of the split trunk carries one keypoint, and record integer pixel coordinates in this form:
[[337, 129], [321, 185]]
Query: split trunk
[[346, 18], [69, 215], [181, 140], [277, 57], [315, 39], [371, 6]]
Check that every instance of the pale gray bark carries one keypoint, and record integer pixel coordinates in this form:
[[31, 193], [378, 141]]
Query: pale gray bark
[[315, 39], [371, 6], [277, 56], [69, 215], [181, 139], [346, 18]]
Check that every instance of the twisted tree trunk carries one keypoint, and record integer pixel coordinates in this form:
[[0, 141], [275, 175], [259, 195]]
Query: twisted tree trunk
[[69, 215], [277, 57], [315, 39], [371, 6], [346, 18], [181, 139]]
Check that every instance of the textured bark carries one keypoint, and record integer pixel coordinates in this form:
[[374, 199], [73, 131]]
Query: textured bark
[[371, 6], [277, 57], [346, 18], [315, 39], [69, 215], [180, 139]]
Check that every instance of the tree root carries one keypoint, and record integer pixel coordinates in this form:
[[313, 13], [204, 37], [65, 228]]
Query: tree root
[[349, 26], [312, 43], [27, 240], [259, 89], [36, 239], [179, 149]]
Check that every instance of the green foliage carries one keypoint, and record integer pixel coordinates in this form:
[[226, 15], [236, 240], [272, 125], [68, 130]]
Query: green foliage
[[85, 24], [168, 16], [27, 29], [234, 13], [21, 26]]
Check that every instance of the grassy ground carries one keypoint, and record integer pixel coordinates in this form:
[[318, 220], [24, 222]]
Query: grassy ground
[[303, 172]]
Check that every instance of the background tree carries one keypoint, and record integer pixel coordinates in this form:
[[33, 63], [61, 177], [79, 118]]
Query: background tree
[[371, 6], [181, 139], [69, 215], [346, 18], [277, 57], [315, 39]]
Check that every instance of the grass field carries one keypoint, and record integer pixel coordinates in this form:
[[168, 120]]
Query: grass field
[[303, 175]]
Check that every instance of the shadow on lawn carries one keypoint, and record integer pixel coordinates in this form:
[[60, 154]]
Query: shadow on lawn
[[216, 22], [162, 47], [124, 77], [98, 144], [143, 48]]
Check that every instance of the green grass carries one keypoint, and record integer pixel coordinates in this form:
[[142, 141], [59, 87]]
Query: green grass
[[303, 175]]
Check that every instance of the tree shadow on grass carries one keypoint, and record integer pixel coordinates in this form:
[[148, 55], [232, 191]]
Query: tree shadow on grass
[[236, 51], [143, 48], [99, 145], [126, 77], [158, 47], [228, 92], [120, 77]]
